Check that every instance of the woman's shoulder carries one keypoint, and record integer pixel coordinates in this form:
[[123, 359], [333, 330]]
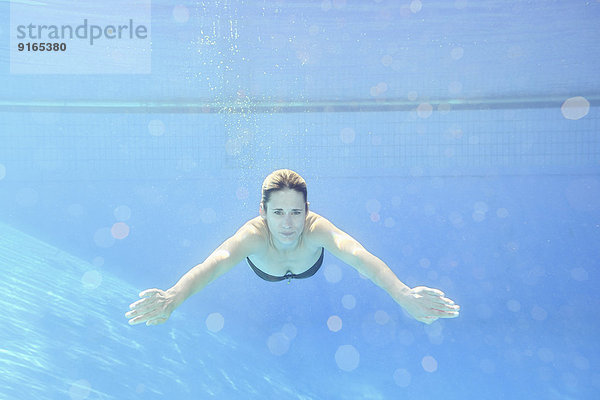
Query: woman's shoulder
[[254, 229], [317, 227]]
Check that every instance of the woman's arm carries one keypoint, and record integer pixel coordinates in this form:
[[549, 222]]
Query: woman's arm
[[156, 305], [423, 303]]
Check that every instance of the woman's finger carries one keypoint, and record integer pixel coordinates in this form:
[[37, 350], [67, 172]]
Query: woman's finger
[[143, 303], [433, 292], [150, 292]]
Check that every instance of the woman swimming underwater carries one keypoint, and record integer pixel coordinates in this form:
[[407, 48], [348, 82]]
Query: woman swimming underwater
[[287, 241]]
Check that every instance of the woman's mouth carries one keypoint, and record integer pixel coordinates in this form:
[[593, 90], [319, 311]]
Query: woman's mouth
[[287, 234]]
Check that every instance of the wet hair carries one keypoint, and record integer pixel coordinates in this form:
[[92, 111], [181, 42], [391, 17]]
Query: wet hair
[[280, 180]]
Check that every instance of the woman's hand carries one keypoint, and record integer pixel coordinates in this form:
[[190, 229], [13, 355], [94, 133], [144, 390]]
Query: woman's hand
[[427, 305], [154, 308]]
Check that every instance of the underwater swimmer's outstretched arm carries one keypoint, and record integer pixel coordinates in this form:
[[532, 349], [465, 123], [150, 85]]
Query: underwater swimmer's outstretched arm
[[422, 303], [156, 305]]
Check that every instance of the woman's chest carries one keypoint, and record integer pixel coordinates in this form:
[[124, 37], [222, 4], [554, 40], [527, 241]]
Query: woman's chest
[[276, 263]]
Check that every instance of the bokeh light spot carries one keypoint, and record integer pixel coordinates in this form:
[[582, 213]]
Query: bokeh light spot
[[487, 366], [289, 330], [387, 60], [348, 301], [156, 127], [457, 53], [415, 6], [334, 323], [181, 14], [80, 390], [27, 197], [583, 194], [538, 313], [579, 274], [208, 216], [215, 322], [76, 210], [575, 108], [429, 364], [502, 213], [389, 222], [104, 238], [373, 206], [406, 337], [122, 213], [347, 358], [347, 135], [545, 354], [424, 110], [460, 4], [91, 279], [278, 344], [120, 230], [381, 317], [242, 193], [402, 377], [333, 273], [513, 305], [455, 87]]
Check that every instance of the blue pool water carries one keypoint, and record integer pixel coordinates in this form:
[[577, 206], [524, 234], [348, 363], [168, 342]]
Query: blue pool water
[[458, 141]]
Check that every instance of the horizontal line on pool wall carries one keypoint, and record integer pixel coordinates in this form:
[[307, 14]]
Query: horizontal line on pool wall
[[246, 105]]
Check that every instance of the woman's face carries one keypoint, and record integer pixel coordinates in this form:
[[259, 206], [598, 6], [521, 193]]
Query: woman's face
[[285, 215]]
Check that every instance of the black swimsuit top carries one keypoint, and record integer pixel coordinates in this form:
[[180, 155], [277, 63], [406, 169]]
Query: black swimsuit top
[[289, 276]]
